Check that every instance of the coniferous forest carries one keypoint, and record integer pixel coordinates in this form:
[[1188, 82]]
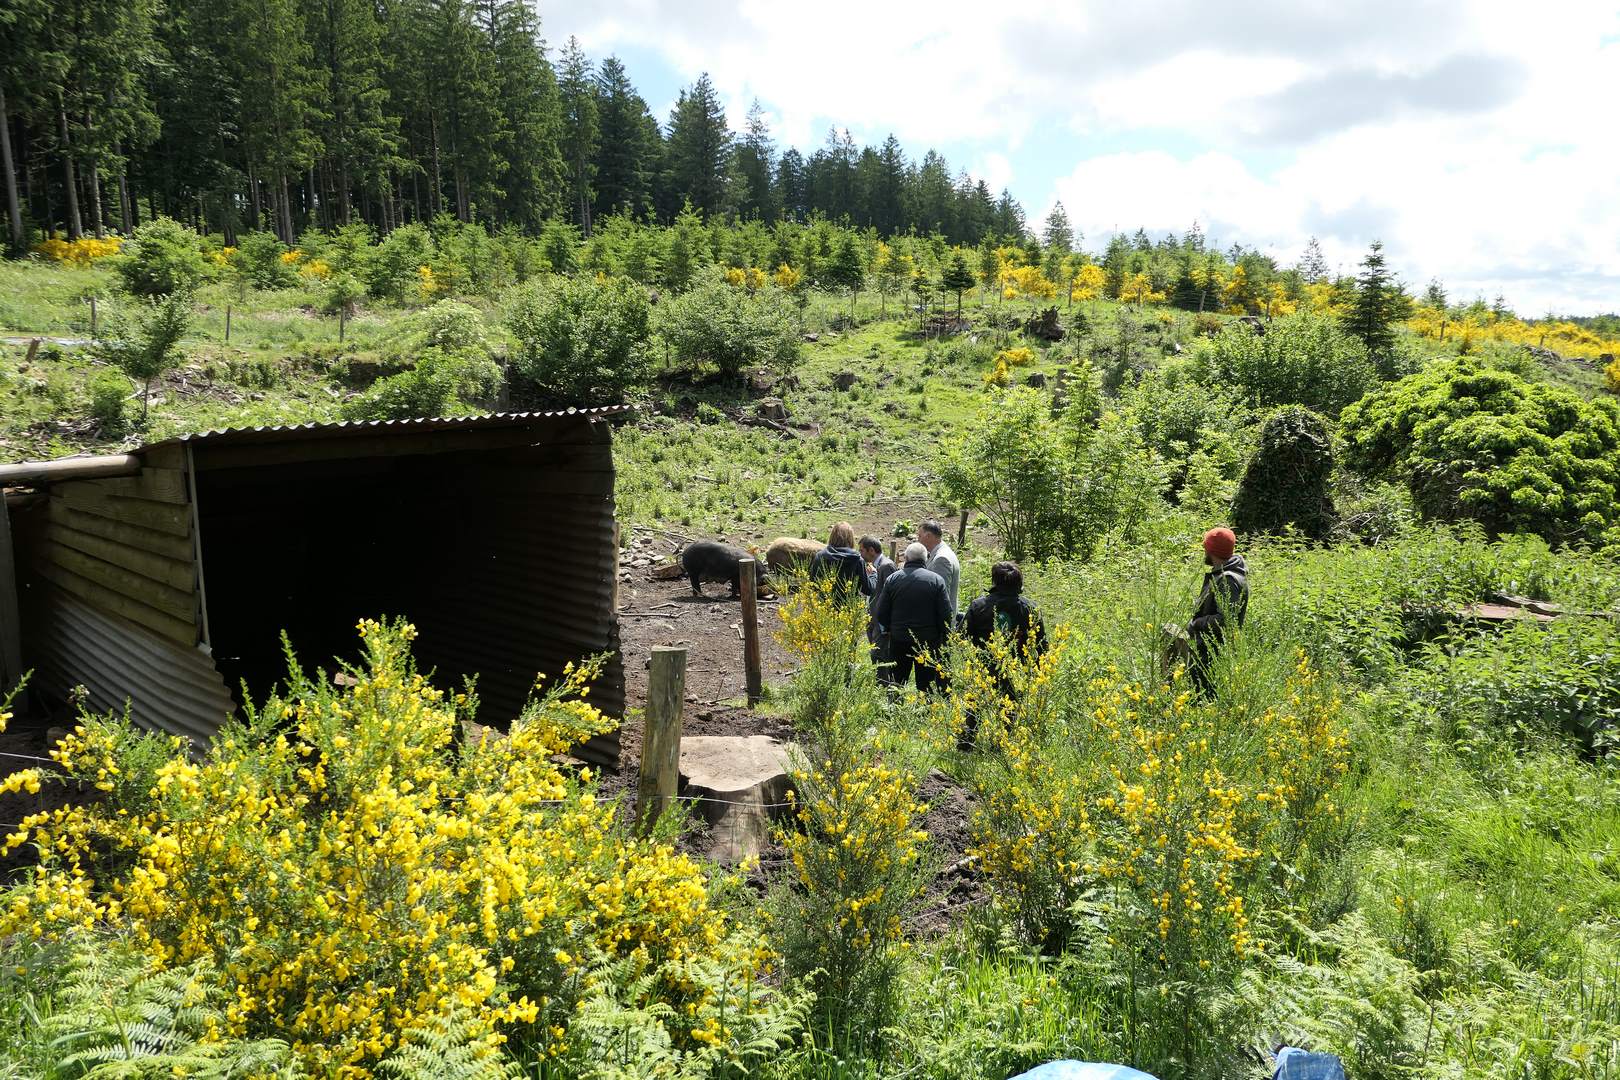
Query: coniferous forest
[[285, 115]]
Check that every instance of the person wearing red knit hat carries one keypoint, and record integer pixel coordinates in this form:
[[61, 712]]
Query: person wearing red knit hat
[[1223, 602]]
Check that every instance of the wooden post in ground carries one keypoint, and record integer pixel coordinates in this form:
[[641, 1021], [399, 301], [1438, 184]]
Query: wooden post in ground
[[343, 320], [92, 316], [227, 324], [661, 737], [894, 551], [33, 350], [961, 529], [749, 587]]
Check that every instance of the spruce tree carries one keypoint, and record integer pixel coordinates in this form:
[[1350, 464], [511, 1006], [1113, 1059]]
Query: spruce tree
[[1313, 265], [699, 147], [580, 131], [754, 154], [957, 278], [507, 132], [359, 134], [1059, 233], [1372, 316], [628, 144], [790, 196]]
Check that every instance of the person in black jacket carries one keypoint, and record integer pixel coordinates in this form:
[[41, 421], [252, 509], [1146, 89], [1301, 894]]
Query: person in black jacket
[[878, 568], [1223, 602], [916, 611], [839, 559], [1002, 612]]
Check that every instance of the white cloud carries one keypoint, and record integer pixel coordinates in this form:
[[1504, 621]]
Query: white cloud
[[1473, 138]]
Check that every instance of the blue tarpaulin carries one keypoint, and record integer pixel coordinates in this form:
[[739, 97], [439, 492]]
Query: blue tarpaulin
[[1296, 1064], [1082, 1070]]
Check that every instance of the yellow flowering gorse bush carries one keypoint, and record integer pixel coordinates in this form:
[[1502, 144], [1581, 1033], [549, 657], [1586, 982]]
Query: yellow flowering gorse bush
[[1181, 820], [353, 871], [81, 252]]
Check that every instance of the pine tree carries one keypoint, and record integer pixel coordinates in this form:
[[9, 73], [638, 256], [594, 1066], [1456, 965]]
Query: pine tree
[[1009, 216], [507, 131], [847, 270], [1372, 316], [272, 61], [1059, 233], [1313, 265], [885, 196], [754, 154], [957, 278], [1435, 295], [360, 135], [580, 130], [628, 144], [699, 147], [790, 194]]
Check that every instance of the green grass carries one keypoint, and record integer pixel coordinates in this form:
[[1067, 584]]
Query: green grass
[[1478, 925]]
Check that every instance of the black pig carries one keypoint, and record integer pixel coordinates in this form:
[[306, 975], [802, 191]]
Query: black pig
[[709, 561]]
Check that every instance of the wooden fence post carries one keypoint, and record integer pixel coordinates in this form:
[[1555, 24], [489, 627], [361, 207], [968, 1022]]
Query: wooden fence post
[[961, 528], [92, 316], [661, 737], [747, 584], [343, 320], [894, 551]]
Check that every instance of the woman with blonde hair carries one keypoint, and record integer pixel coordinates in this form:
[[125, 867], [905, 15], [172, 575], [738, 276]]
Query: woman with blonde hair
[[840, 560]]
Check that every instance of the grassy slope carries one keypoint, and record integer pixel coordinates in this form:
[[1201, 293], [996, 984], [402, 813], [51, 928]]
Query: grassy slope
[[1504, 869]]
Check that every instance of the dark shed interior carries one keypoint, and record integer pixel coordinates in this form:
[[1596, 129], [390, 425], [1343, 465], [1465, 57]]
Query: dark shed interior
[[164, 578], [500, 553]]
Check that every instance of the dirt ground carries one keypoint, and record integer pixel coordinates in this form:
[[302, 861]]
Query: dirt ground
[[653, 612]]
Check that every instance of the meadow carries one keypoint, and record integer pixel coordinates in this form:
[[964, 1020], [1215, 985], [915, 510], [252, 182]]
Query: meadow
[[1392, 832]]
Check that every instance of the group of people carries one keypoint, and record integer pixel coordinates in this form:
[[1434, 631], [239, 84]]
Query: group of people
[[913, 606]]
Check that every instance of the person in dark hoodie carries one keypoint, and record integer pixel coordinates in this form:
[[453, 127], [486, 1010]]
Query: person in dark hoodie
[[1223, 602], [1002, 611], [841, 561], [916, 611]]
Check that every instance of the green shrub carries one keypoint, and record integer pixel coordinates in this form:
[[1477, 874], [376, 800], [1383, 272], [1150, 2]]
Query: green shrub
[[1050, 489], [1286, 482], [342, 292], [258, 263], [162, 257], [392, 271], [108, 394], [721, 325], [580, 341], [1300, 360], [143, 338], [440, 384], [1486, 445]]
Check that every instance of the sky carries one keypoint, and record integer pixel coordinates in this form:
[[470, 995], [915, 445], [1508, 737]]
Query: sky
[[1480, 141]]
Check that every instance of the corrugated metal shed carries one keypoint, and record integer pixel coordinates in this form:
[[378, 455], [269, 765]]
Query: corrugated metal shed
[[493, 534]]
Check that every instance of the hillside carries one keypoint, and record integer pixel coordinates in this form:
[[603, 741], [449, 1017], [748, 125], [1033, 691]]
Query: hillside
[[1389, 828]]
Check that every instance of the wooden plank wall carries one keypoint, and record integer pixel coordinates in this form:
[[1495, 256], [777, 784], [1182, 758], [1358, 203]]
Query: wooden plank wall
[[125, 546]]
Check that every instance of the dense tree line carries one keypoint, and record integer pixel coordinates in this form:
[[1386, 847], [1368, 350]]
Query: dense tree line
[[282, 115]]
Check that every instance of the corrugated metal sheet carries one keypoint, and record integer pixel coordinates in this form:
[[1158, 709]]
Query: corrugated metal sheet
[[344, 429], [522, 577], [168, 687]]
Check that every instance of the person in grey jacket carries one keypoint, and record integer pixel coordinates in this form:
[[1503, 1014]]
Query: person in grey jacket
[[914, 610], [942, 561]]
